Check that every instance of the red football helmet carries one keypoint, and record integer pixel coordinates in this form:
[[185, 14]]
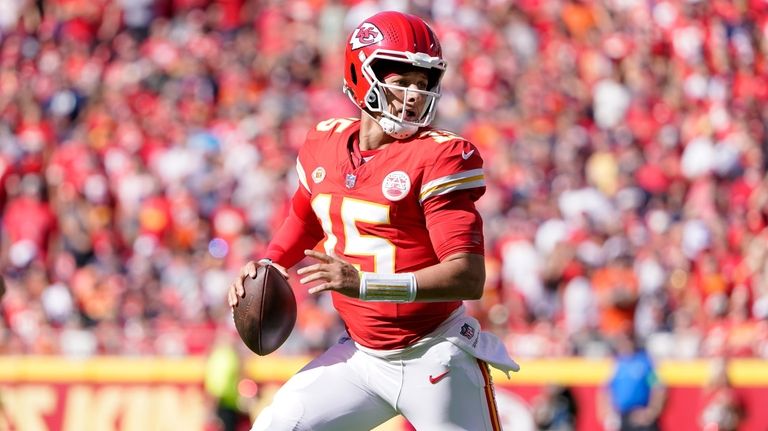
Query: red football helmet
[[393, 41]]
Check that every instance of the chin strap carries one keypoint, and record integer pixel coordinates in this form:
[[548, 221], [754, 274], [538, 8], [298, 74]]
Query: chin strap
[[396, 129], [391, 127]]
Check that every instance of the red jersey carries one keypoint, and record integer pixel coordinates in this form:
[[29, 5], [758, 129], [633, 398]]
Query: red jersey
[[406, 208]]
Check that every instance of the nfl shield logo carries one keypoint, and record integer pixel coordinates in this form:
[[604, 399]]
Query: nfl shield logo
[[350, 182], [467, 331]]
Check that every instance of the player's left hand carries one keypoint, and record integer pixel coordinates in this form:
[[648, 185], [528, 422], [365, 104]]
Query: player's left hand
[[336, 274]]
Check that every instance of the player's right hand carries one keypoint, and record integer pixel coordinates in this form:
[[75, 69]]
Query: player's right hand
[[333, 272], [237, 290]]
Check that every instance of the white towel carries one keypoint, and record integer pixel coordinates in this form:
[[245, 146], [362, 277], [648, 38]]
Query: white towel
[[464, 331]]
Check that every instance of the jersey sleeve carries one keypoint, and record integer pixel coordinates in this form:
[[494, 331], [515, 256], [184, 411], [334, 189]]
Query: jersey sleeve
[[454, 224], [449, 190], [458, 166], [300, 231]]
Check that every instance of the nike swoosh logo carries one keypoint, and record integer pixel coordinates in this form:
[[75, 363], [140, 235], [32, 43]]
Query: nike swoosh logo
[[439, 377], [465, 156]]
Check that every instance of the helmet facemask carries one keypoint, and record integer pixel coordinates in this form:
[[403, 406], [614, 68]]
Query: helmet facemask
[[402, 124], [376, 101]]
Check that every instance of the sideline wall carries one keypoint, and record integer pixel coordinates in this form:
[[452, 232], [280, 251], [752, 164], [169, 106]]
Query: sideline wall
[[139, 394]]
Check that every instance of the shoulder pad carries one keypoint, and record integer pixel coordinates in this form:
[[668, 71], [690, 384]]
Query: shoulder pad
[[333, 125], [439, 136]]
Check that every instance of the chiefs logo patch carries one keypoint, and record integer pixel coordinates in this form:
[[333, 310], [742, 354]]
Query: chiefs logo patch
[[366, 34], [318, 175], [396, 185]]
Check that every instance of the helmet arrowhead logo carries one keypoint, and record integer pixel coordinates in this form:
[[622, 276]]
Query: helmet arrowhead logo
[[366, 34]]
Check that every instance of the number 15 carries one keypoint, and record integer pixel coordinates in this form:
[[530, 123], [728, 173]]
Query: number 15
[[355, 243]]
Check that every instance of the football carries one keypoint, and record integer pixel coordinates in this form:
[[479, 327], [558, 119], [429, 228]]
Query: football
[[265, 316]]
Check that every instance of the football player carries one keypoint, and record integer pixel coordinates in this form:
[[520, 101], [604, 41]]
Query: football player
[[392, 200]]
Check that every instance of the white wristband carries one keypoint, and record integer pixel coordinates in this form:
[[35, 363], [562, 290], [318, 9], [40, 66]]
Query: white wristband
[[388, 287]]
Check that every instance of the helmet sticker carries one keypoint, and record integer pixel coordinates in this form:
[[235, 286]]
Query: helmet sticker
[[366, 34], [396, 185]]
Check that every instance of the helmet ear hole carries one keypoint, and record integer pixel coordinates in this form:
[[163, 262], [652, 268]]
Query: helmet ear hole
[[372, 99], [353, 73]]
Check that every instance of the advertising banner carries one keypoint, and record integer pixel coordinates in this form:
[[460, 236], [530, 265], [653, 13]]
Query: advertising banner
[[129, 394]]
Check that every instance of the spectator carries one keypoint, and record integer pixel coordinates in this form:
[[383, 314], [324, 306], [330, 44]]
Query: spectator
[[615, 286], [223, 372], [2, 409], [634, 398], [555, 409], [150, 131], [721, 409], [29, 225]]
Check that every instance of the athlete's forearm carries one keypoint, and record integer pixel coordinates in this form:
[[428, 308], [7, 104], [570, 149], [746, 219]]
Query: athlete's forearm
[[299, 231], [460, 276], [288, 244]]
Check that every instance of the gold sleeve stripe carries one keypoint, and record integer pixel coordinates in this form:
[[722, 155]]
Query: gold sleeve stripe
[[461, 181], [449, 178], [301, 174], [458, 185]]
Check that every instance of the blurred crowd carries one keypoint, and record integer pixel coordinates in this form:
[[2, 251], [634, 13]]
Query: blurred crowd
[[147, 150]]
